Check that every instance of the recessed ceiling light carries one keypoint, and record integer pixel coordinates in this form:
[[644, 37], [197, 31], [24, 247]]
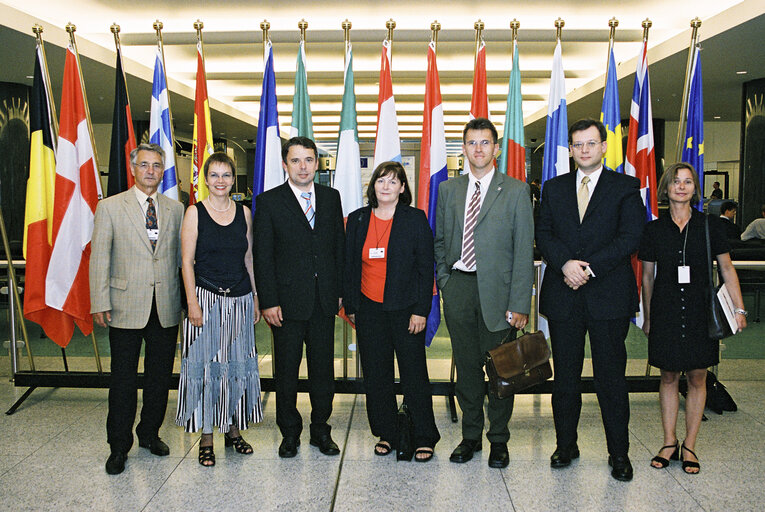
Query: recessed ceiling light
[[717, 117], [740, 72], [30, 76]]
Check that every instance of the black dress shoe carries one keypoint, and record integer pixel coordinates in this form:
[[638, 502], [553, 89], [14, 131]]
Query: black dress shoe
[[326, 445], [465, 450], [115, 464], [622, 468], [498, 456], [562, 457], [156, 446], [289, 447]]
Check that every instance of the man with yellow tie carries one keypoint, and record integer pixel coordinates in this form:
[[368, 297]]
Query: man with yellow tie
[[590, 223]]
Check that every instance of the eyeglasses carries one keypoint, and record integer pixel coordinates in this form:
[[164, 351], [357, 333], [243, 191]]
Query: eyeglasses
[[144, 166], [590, 144], [485, 143]]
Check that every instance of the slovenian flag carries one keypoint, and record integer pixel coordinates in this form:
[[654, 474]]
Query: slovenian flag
[[611, 118], [432, 167], [693, 151], [159, 128], [556, 132], [512, 158], [348, 167], [268, 147], [387, 142]]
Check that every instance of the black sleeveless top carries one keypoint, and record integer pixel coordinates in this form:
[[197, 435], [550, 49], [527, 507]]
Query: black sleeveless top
[[219, 257]]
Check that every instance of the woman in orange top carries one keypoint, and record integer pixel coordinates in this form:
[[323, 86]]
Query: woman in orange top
[[388, 291]]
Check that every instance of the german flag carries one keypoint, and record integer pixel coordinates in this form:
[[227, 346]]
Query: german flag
[[38, 217], [123, 137]]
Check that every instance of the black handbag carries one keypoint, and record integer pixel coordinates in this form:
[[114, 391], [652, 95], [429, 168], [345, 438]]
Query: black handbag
[[718, 325], [405, 427], [518, 364]]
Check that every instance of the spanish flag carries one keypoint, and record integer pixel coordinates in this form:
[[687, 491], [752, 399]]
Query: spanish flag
[[202, 145], [38, 217]]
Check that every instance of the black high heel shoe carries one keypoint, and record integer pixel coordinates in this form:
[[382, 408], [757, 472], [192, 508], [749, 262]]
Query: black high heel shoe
[[689, 464], [665, 462], [239, 444]]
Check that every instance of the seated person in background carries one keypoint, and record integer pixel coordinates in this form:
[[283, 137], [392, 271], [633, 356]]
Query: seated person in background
[[717, 192], [755, 229], [728, 213]]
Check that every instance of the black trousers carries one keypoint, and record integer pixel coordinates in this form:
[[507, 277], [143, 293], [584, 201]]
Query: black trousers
[[380, 334], [318, 333], [609, 363], [159, 353]]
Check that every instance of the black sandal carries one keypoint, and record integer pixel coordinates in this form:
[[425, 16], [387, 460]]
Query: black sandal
[[383, 448], [689, 464], [665, 462], [239, 444], [206, 455], [423, 451]]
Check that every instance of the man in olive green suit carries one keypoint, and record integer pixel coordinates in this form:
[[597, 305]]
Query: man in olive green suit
[[484, 268], [135, 289]]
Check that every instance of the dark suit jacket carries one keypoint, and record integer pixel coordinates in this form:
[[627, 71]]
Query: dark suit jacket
[[606, 238], [291, 258], [409, 270], [732, 231]]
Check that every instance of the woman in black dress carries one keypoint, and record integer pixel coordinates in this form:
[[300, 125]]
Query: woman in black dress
[[675, 304], [388, 293]]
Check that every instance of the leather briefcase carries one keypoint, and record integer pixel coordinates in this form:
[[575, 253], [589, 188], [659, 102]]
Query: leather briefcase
[[518, 364]]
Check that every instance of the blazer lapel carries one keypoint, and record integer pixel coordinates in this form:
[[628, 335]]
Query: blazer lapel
[[460, 196], [293, 206], [135, 215], [495, 188], [569, 201], [163, 221]]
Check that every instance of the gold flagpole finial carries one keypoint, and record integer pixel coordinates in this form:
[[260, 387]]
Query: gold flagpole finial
[[199, 25], [559, 24], [390, 25], [158, 25], [695, 22], [302, 25], [115, 28], [435, 27], [37, 29], [71, 28], [646, 25], [478, 25]]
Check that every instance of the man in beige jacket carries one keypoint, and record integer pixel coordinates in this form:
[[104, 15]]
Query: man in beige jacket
[[135, 289]]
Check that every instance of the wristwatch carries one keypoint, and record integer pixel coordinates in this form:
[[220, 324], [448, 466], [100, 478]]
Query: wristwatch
[[740, 311]]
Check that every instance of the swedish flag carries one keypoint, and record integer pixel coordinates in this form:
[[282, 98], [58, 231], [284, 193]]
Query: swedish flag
[[609, 116]]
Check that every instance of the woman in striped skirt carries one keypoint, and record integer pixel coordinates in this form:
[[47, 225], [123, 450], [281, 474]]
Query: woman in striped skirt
[[219, 382]]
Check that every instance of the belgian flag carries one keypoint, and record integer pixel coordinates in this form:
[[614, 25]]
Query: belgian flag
[[38, 216], [123, 137]]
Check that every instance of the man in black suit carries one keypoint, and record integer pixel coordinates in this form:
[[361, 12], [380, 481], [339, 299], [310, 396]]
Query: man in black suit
[[299, 253], [728, 213], [590, 222]]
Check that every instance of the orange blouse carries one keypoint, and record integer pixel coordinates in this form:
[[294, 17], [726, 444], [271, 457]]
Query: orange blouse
[[373, 269]]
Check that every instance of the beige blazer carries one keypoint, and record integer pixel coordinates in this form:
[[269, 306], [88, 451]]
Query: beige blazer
[[125, 274]]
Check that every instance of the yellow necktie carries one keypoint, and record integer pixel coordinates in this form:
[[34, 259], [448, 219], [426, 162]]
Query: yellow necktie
[[583, 197]]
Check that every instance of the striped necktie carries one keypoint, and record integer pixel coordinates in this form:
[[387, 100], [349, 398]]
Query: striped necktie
[[468, 241], [310, 215]]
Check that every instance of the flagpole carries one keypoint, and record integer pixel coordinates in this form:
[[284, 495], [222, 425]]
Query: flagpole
[[158, 25], [70, 28], [514, 26], [37, 29], [692, 50], [116, 31], [559, 24], [390, 25], [435, 27], [612, 23], [346, 26], [264, 26], [478, 26]]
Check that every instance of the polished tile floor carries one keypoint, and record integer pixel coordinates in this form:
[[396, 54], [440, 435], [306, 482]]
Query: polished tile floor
[[54, 447]]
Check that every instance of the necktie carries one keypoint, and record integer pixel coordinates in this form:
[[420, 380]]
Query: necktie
[[151, 221], [583, 197], [308, 210], [468, 241]]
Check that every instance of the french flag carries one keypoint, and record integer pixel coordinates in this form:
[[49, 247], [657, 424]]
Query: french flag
[[432, 167], [268, 147], [387, 142], [555, 160]]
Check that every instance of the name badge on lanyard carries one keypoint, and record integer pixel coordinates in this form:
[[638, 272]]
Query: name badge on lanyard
[[153, 234], [376, 253], [683, 274]]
